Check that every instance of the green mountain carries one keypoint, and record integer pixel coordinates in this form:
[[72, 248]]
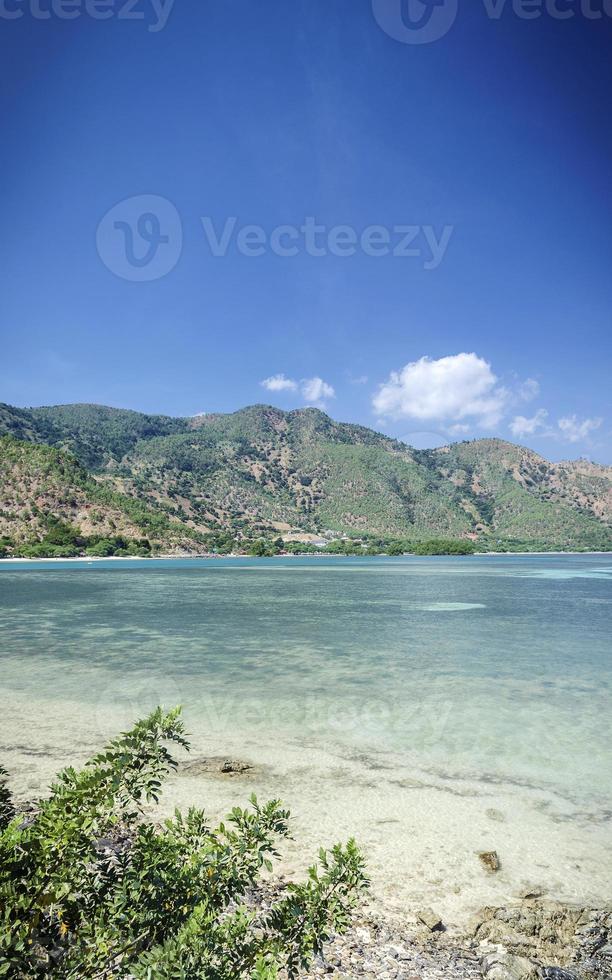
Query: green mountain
[[49, 504], [97, 435], [521, 497], [263, 472]]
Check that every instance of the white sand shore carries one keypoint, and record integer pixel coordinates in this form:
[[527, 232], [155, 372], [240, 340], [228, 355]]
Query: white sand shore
[[131, 558]]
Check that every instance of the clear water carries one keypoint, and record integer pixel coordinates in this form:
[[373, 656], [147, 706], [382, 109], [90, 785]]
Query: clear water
[[488, 678]]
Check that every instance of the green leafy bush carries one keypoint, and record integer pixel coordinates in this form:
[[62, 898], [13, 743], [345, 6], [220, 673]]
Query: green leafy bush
[[7, 811], [442, 546], [89, 889], [263, 549], [395, 549]]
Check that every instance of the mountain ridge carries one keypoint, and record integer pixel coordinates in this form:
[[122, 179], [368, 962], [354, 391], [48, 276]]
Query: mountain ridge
[[202, 418], [264, 471]]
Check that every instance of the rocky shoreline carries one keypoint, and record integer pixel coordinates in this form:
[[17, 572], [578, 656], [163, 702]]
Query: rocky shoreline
[[524, 942], [534, 939]]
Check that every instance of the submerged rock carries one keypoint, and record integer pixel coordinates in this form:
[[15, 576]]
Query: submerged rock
[[531, 891], [490, 860], [232, 765], [216, 765]]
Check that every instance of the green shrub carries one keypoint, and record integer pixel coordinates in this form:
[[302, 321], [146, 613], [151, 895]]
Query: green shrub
[[43, 550], [89, 889], [395, 549], [7, 811], [342, 547], [442, 546], [262, 549], [61, 534], [102, 548]]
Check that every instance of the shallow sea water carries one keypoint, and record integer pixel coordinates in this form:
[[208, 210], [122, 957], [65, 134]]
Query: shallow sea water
[[432, 707]]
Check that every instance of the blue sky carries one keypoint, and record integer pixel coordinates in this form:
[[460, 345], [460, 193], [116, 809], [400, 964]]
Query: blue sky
[[481, 158]]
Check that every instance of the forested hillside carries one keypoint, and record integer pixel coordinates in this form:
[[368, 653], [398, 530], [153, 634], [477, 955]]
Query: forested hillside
[[262, 472], [50, 505]]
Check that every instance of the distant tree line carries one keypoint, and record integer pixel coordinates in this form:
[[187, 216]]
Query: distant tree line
[[63, 540], [265, 548]]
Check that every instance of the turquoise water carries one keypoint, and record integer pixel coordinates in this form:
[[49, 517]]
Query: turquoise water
[[493, 668]]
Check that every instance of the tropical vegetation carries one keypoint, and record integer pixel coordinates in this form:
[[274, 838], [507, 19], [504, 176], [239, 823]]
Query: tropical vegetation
[[90, 888]]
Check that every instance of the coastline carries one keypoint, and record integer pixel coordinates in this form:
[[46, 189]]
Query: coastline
[[84, 559], [431, 919], [421, 828], [422, 814]]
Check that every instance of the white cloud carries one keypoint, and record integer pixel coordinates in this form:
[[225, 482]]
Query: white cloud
[[570, 429], [521, 426], [574, 430], [529, 390], [278, 382], [315, 391], [460, 386]]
